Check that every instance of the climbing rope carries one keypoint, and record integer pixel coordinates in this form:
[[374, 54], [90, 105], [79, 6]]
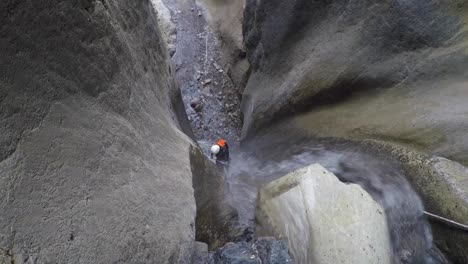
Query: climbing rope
[[446, 221]]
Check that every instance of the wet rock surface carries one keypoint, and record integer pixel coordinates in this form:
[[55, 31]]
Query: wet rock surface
[[217, 221], [390, 72], [266, 250]]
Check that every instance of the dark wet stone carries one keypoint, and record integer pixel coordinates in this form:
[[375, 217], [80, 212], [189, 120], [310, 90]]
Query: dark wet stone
[[272, 251], [237, 253], [266, 250]]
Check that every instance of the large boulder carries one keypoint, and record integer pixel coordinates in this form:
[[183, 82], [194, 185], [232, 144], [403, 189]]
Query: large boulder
[[323, 219], [444, 190], [94, 164]]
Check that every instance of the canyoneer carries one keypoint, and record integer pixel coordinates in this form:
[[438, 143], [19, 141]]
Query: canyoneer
[[220, 151]]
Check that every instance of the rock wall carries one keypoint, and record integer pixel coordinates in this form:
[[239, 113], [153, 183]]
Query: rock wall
[[166, 26], [324, 220], [392, 72], [225, 17], [216, 222], [94, 166]]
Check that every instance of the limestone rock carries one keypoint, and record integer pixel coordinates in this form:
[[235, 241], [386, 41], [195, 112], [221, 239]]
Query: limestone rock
[[225, 17], [323, 219], [231, 253], [216, 221], [94, 166], [201, 255], [166, 26], [444, 188], [392, 72]]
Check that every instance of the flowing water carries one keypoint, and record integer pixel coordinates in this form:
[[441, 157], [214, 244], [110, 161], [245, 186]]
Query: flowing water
[[383, 179]]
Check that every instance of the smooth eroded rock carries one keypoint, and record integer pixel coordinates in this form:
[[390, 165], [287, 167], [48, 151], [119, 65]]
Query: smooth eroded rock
[[225, 17], [94, 166], [392, 72], [323, 219], [216, 222]]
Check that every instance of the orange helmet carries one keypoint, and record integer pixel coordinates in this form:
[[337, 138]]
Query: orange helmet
[[222, 142]]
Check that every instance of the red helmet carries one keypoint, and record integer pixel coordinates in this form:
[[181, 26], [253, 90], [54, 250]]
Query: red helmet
[[222, 142]]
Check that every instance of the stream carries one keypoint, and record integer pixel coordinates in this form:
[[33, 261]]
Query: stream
[[410, 232]]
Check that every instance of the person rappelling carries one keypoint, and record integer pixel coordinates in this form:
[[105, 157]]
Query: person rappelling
[[220, 152]]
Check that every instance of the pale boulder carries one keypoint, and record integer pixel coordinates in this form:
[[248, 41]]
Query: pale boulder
[[323, 219]]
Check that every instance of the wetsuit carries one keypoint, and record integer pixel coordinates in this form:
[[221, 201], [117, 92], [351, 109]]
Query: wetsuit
[[223, 154]]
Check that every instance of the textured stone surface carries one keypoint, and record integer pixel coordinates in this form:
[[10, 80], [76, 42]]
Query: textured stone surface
[[393, 72], [389, 70], [167, 28], [216, 221], [265, 250], [225, 17], [442, 184], [237, 253], [444, 189], [335, 222], [94, 166], [272, 251]]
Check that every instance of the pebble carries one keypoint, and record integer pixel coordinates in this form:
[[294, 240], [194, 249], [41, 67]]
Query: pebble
[[196, 104], [218, 68], [207, 81]]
